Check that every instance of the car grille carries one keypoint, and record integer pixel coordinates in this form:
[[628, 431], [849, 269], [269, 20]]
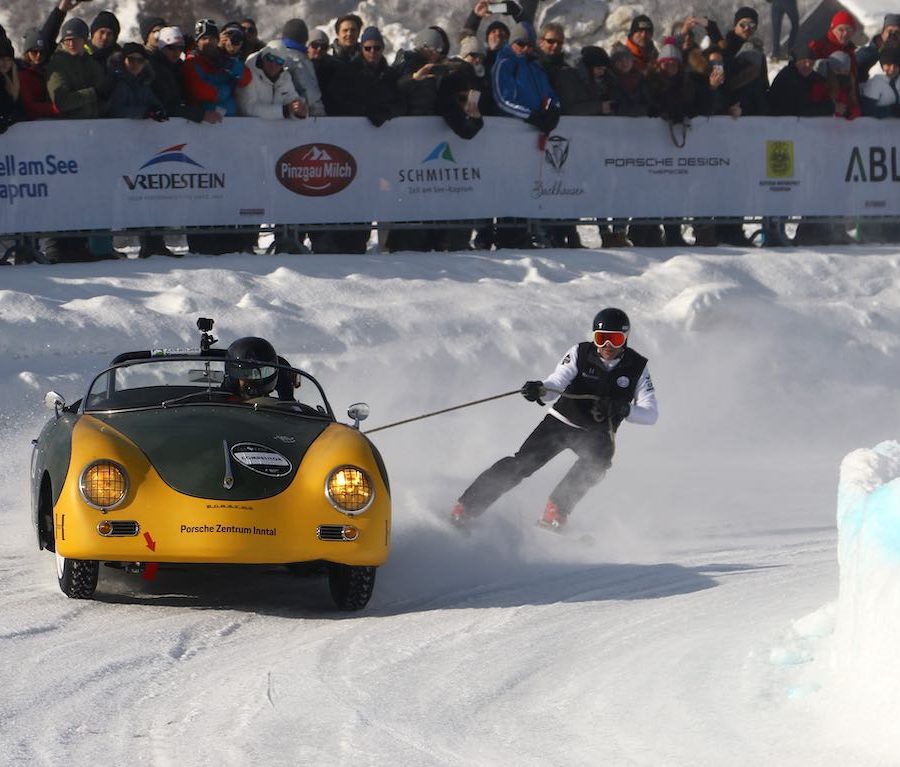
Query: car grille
[[331, 533], [122, 529]]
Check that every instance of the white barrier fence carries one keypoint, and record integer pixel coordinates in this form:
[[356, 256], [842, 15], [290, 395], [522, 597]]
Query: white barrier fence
[[125, 174]]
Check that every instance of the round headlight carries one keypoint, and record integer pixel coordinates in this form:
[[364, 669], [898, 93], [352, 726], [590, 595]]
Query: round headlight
[[104, 485], [350, 490]]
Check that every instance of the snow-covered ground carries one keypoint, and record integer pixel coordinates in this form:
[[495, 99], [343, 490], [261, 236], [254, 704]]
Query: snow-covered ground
[[702, 627]]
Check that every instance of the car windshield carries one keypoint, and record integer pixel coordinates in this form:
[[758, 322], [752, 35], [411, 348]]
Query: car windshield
[[182, 381]]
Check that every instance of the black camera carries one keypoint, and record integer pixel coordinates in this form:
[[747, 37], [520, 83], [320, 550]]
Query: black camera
[[205, 324]]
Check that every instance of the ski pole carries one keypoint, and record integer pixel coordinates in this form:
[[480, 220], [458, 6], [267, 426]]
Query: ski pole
[[445, 410]]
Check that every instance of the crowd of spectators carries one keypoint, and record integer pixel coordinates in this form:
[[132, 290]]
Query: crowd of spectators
[[74, 69]]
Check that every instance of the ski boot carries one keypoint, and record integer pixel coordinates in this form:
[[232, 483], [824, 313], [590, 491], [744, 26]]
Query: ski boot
[[553, 519]]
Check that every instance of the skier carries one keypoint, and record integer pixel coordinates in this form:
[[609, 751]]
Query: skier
[[604, 382]]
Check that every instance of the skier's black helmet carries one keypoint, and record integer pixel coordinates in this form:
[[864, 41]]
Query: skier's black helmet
[[250, 366], [611, 325]]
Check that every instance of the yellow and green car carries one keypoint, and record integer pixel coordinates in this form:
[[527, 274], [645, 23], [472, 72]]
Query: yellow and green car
[[160, 463]]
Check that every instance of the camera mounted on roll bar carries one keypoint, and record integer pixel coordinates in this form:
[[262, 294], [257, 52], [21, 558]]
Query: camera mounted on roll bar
[[205, 326]]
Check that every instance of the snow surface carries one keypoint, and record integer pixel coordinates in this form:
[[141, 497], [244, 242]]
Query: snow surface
[[709, 624]]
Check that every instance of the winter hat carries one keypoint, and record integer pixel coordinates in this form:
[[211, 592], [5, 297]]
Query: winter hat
[[148, 24], [496, 25], [669, 51], [169, 36], [839, 63], [428, 38], [594, 56], [889, 54], [6, 48], [296, 31], [640, 22], [106, 20], [445, 41], [74, 27], [470, 45], [32, 40], [130, 49], [349, 17], [276, 48], [317, 36], [371, 33], [891, 20], [522, 30], [205, 28], [842, 17], [235, 32], [746, 13]]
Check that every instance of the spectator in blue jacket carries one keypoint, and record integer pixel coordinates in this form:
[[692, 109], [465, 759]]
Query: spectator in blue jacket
[[521, 86]]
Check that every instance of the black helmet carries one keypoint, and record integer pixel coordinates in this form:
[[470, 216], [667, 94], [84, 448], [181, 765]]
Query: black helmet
[[252, 361], [615, 321]]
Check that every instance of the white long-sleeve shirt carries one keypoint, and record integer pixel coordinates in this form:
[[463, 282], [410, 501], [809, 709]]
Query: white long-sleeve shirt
[[643, 406]]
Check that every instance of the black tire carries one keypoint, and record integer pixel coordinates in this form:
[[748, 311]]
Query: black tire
[[77, 577], [351, 585]]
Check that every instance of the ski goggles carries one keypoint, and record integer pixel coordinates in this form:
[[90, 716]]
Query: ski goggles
[[615, 338]]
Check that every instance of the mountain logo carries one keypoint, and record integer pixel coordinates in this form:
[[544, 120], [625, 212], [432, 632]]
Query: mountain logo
[[316, 170], [441, 152], [170, 154]]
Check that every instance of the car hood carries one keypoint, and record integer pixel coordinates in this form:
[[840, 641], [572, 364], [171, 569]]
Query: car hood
[[195, 449]]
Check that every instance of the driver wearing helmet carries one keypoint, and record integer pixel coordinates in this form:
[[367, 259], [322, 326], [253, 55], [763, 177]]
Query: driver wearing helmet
[[604, 382], [251, 368]]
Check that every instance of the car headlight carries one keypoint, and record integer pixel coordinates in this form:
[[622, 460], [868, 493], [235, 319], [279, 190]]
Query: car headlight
[[350, 490], [103, 485]]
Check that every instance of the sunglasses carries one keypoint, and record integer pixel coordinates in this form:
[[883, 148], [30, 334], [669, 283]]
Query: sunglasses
[[552, 41], [747, 25], [523, 43], [615, 338], [372, 47], [318, 45]]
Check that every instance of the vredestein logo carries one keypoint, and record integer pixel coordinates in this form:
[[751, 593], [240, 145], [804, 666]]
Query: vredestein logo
[[779, 159], [874, 164], [439, 165], [174, 180]]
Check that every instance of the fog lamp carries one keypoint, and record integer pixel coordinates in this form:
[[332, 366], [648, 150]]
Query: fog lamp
[[349, 490], [103, 485]]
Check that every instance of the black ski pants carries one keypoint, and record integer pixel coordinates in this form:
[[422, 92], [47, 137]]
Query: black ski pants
[[594, 448]]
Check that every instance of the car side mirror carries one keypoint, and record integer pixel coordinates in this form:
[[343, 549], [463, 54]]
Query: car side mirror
[[54, 401], [358, 411]]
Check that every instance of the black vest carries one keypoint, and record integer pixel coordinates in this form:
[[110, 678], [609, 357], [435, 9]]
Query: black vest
[[611, 386]]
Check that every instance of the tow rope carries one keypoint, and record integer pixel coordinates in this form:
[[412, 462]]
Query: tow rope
[[478, 402]]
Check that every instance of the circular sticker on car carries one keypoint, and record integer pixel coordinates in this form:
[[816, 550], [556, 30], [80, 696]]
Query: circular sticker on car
[[261, 459]]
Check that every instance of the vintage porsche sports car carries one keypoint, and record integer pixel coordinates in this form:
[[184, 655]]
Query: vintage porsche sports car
[[163, 461]]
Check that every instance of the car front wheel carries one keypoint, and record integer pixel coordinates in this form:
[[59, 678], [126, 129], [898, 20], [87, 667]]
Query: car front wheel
[[351, 585], [77, 577]]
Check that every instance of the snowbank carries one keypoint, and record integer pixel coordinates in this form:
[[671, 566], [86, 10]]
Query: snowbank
[[866, 648]]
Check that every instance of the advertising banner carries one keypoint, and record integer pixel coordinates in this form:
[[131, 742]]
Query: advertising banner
[[121, 174]]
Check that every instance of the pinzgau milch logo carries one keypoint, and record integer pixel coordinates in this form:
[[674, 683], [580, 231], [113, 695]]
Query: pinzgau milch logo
[[316, 170]]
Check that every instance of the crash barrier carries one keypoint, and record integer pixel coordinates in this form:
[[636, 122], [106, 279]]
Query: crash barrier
[[137, 175]]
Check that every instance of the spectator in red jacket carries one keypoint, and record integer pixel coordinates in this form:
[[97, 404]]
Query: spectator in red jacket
[[838, 40], [33, 77], [211, 76]]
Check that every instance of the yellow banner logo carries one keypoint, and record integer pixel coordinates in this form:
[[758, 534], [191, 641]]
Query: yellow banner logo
[[780, 159]]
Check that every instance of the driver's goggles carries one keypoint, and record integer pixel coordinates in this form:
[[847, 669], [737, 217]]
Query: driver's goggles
[[245, 371], [615, 338]]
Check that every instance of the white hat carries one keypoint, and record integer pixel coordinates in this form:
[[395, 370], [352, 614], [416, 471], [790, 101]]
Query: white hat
[[170, 36]]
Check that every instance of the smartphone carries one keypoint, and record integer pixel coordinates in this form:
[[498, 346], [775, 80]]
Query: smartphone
[[498, 7]]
